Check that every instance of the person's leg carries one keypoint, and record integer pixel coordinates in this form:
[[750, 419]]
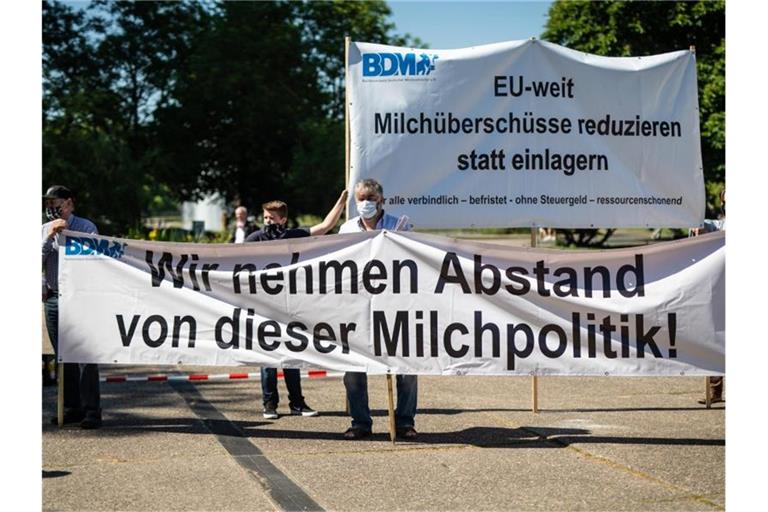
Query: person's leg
[[407, 397], [90, 395], [356, 384], [71, 380], [72, 386], [49, 370], [715, 385], [717, 388], [269, 386], [296, 404], [292, 378]]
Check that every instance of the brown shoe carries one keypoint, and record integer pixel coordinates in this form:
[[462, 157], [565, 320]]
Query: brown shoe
[[407, 433], [354, 433]]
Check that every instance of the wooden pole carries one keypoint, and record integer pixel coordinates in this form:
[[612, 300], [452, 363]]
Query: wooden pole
[[60, 394], [707, 387], [347, 135], [391, 409], [535, 379], [346, 142]]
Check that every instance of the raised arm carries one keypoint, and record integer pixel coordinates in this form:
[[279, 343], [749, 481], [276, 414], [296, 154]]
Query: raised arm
[[332, 218]]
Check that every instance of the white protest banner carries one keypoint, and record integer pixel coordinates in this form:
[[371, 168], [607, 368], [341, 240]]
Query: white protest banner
[[527, 133], [402, 302]]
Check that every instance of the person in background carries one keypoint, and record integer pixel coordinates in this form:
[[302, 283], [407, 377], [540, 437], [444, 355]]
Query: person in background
[[275, 219], [242, 228], [82, 397], [369, 200], [49, 360], [710, 226], [547, 234]]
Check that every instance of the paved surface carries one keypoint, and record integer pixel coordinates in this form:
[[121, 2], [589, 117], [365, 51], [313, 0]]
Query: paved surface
[[598, 444]]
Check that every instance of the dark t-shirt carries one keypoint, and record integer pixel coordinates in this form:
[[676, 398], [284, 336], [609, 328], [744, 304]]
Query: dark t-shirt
[[262, 236]]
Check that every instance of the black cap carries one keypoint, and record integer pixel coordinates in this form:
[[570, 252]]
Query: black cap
[[58, 192]]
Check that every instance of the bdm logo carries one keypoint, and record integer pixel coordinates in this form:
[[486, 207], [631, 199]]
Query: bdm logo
[[394, 64], [83, 246]]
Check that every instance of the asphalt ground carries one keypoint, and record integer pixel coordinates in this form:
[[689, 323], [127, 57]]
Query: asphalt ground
[[605, 443]]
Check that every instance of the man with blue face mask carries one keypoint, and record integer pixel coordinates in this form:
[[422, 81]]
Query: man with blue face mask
[[82, 398], [275, 215], [369, 200]]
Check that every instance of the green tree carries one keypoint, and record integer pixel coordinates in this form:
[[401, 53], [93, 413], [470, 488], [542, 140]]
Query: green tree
[[147, 99], [324, 27], [258, 111], [68, 79], [105, 71], [239, 105], [317, 169], [620, 28]]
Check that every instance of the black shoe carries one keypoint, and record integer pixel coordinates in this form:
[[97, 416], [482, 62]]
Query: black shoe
[[70, 416], [302, 409], [353, 433], [270, 411], [407, 433], [91, 421]]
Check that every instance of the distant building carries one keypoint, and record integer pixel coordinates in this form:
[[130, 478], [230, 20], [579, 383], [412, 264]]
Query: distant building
[[211, 211]]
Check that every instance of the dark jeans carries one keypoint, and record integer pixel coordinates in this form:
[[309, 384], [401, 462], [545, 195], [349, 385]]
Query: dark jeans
[[81, 381], [356, 384], [292, 378]]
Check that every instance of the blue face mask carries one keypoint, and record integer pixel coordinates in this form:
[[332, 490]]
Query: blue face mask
[[367, 209]]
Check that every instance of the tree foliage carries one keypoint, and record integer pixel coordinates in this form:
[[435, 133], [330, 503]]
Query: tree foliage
[[147, 101], [105, 70], [620, 28], [630, 28], [239, 105]]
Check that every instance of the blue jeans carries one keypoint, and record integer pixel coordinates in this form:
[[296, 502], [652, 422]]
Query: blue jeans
[[81, 381], [292, 378], [357, 394]]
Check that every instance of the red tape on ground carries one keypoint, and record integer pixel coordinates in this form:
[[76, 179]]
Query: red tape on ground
[[311, 374]]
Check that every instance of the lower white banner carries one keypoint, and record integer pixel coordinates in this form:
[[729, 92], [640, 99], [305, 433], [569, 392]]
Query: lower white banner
[[395, 302]]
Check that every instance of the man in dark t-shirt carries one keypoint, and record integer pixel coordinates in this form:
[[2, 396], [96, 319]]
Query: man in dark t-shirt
[[275, 218]]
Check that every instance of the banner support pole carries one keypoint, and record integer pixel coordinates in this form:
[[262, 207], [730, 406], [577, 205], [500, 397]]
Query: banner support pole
[[707, 387], [347, 137], [535, 379], [391, 409], [347, 40], [60, 394]]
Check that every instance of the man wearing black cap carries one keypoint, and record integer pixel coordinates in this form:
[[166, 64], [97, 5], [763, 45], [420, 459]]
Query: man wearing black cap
[[81, 382]]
